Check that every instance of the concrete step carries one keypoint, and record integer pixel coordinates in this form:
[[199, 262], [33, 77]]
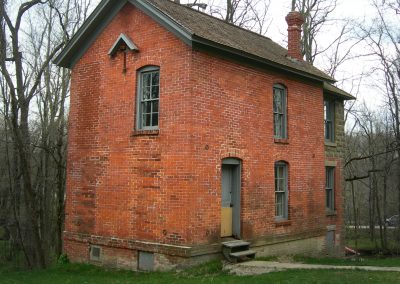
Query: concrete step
[[235, 244], [237, 251], [245, 253], [241, 256]]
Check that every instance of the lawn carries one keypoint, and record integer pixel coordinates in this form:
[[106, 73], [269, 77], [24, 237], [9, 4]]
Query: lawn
[[360, 261], [209, 273], [365, 244]]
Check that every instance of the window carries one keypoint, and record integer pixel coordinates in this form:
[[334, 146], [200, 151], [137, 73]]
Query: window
[[329, 188], [328, 117], [146, 261], [148, 98], [281, 190], [279, 112], [95, 253]]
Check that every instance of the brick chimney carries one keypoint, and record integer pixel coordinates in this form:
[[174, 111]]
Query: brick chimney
[[294, 20]]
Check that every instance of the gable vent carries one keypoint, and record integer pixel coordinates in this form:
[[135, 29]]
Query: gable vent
[[123, 41]]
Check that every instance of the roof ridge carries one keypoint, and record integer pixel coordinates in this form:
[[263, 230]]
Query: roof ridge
[[210, 31], [221, 20]]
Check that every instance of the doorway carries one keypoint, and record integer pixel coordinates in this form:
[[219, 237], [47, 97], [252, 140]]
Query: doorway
[[230, 197]]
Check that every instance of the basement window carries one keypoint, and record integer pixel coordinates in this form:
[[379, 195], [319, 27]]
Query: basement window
[[330, 242], [95, 253], [146, 261]]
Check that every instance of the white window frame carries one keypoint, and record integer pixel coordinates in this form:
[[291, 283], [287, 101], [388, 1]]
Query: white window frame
[[140, 100], [281, 191], [282, 134], [329, 120], [330, 188]]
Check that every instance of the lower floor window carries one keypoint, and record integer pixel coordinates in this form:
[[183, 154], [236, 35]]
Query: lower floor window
[[281, 190], [329, 188]]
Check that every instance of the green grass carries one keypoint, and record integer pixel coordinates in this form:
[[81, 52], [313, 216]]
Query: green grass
[[367, 245], [208, 273], [364, 242], [361, 261]]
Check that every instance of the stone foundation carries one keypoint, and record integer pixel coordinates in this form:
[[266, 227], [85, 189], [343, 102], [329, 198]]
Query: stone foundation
[[138, 255]]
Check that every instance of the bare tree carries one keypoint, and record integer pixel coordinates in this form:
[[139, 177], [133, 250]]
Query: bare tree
[[382, 39], [34, 101], [369, 168], [248, 14], [316, 15]]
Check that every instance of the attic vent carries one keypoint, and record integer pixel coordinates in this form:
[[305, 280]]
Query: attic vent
[[95, 253], [123, 42]]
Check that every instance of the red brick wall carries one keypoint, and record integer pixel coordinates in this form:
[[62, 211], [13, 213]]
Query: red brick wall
[[233, 116], [77, 251], [166, 187], [119, 184]]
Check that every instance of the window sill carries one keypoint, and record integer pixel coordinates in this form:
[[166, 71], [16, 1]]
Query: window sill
[[330, 144], [331, 213], [282, 222], [281, 140], [144, 132]]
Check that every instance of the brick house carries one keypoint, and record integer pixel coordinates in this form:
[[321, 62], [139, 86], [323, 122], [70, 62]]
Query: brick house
[[186, 132]]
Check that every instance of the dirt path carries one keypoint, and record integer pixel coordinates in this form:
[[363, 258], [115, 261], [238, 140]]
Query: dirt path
[[261, 267]]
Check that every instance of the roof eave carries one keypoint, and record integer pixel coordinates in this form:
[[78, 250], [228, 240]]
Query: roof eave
[[337, 92], [344, 97]]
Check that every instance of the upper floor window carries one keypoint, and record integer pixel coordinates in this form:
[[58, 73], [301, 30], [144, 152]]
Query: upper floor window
[[280, 112], [148, 98], [281, 190], [329, 188], [329, 115]]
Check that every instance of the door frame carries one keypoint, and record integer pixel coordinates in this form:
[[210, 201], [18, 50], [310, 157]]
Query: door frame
[[236, 193]]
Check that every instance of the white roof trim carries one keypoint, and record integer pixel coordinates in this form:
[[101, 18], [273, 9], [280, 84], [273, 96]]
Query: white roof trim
[[122, 38]]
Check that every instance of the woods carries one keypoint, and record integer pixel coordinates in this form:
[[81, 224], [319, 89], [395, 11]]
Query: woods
[[34, 98], [373, 165]]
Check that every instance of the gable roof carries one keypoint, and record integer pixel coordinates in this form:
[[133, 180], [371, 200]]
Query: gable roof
[[196, 29]]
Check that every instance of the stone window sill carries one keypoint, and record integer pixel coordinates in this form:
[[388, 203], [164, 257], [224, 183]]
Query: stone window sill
[[281, 223], [331, 228], [281, 140], [145, 132], [330, 144], [331, 213]]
